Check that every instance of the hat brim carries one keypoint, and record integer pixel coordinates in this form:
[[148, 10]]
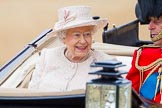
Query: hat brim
[[99, 23]]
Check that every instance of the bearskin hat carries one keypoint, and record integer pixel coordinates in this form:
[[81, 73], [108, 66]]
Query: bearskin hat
[[148, 8]]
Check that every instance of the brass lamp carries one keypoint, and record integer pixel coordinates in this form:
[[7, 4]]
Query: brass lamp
[[110, 90]]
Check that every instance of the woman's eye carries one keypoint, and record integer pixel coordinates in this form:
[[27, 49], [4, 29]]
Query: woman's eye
[[87, 34], [76, 34]]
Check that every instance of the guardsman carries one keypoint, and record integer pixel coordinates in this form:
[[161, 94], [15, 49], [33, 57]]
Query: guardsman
[[146, 70]]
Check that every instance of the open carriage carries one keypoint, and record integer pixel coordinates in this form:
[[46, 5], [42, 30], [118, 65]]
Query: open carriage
[[15, 74]]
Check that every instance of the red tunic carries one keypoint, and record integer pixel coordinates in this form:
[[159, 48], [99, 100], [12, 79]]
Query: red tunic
[[147, 56]]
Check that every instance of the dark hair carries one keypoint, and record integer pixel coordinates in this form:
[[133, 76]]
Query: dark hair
[[148, 8]]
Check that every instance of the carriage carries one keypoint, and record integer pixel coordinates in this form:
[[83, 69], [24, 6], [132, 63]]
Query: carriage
[[16, 73]]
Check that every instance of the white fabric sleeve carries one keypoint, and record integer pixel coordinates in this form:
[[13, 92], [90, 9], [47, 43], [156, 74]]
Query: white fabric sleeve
[[39, 69]]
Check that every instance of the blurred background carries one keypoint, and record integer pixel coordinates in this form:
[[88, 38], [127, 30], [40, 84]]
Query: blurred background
[[22, 20]]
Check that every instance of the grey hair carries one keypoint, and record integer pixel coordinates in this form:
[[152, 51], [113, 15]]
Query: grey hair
[[94, 30], [61, 34]]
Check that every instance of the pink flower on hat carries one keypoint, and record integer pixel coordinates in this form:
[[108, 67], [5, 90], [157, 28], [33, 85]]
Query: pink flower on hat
[[68, 17]]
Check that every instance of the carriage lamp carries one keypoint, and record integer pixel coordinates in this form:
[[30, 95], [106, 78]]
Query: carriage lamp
[[110, 90]]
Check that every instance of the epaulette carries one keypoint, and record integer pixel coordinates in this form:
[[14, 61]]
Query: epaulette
[[149, 46]]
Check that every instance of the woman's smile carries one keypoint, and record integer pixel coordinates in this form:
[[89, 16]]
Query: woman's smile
[[81, 48]]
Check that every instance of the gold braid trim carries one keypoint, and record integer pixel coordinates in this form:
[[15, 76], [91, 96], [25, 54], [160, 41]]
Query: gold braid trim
[[150, 46], [160, 70], [157, 84], [158, 37], [154, 65]]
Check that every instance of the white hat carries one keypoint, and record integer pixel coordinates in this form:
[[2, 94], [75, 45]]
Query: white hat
[[76, 16]]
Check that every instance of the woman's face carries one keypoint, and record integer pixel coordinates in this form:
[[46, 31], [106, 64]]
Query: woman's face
[[155, 26], [78, 41]]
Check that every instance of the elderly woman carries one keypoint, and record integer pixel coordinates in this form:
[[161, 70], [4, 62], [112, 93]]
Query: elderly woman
[[66, 67]]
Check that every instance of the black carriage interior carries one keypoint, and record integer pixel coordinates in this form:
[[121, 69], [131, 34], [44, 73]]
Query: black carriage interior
[[126, 34]]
